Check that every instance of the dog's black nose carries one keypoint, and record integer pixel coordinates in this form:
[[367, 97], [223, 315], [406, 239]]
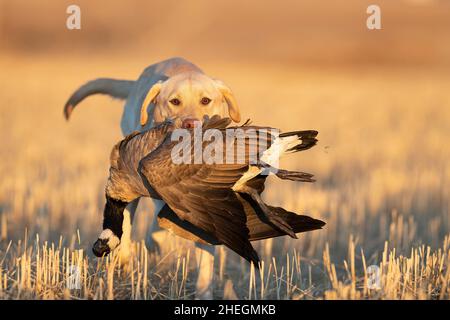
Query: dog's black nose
[[101, 247]]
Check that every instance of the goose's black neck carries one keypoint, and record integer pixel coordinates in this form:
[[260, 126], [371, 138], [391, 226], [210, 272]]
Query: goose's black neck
[[113, 215]]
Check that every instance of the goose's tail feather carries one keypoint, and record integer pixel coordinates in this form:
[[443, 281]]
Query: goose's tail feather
[[307, 139], [294, 175], [259, 230], [265, 221]]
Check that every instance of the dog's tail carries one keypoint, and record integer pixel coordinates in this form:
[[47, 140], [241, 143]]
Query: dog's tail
[[115, 88]]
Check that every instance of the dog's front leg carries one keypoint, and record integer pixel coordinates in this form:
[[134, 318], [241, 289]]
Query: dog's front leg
[[205, 263], [125, 241]]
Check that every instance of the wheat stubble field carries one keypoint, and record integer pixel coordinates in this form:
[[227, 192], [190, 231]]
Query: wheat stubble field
[[382, 186], [380, 101]]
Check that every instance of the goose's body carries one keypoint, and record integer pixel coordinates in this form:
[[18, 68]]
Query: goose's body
[[215, 203]]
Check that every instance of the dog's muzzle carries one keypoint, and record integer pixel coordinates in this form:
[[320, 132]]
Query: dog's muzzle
[[101, 248], [189, 123]]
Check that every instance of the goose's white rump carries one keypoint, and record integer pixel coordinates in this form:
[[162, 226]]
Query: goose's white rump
[[280, 147]]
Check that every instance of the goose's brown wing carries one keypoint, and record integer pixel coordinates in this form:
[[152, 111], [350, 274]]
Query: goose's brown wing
[[124, 183], [202, 195]]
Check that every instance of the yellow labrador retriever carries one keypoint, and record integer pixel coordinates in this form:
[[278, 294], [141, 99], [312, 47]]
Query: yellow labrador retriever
[[174, 88]]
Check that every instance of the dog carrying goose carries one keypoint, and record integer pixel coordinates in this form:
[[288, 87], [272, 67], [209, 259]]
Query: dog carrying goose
[[216, 203]]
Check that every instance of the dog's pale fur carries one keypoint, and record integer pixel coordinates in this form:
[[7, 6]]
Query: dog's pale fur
[[174, 88]]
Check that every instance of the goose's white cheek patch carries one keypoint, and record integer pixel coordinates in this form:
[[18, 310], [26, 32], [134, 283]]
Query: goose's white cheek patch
[[113, 240]]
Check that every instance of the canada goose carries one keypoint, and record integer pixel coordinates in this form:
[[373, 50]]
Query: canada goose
[[216, 203]]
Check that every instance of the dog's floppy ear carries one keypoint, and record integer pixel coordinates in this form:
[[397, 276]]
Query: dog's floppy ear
[[233, 108], [151, 95]]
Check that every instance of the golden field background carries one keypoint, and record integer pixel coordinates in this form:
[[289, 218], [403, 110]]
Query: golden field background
[[380, 100]]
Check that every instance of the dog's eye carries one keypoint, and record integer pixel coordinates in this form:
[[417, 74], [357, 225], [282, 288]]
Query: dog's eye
[[205, 101], [175, 102]]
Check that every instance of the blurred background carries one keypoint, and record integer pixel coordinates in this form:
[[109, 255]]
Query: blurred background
[[288, 34], [379, 98]]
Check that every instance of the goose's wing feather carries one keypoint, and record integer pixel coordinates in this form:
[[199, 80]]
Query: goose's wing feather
[[124, 183], [202, 195], [138, 144]]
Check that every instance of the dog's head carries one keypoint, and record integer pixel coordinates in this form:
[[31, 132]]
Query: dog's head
[[189, 97]]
